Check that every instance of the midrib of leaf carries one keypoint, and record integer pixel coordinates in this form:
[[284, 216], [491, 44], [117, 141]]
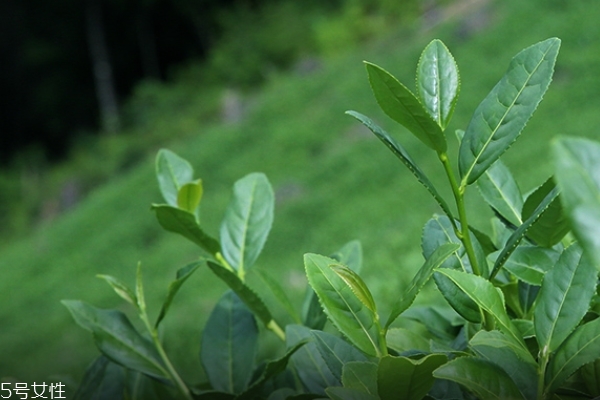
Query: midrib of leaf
[[499, 124], [506, 200], [364, 329], [570, 359], [246, 220], [438, 87], [445, 231]]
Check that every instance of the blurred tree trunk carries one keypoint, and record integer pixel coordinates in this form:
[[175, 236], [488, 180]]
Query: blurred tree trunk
[[147, 44], [103, 77]]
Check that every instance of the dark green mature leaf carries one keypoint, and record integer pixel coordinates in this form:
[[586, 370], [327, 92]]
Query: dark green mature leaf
[[500, 190], [184, 223], [576, 171], [434, 261], [527, 296], [229, 345], [343, 393], [518, 235], [591, 376], [120, 288], [247, 221], [247, 295], [502, 115], [172, 172], [401, 340], [190, 195], [567, 290], [336, 352], [271, 369], [312, 370], [489, 298], [403, 107], [552, 225], [348, 313], [438, 82], [514, 360], [485, 379], [581, 347], [530, 263], [182, 275], [313, 315], [403, 156], [405, 378], [351, 255], [117, 339], [103, 380], [360, 375]]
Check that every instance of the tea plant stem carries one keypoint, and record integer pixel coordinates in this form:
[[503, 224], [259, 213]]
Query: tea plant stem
[[542, 373], [463, 233], [274, 326]]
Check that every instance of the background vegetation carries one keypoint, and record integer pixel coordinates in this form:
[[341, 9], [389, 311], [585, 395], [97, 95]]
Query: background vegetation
[[333, 181]]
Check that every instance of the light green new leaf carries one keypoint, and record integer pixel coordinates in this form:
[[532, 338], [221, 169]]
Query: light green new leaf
[[360, 375], [312, 370], [351, 255], [349, 314], [567, 290], [485, 379], [403, 156], [229, 345], [530, 263], [358, 286], [190, 195], [405, 378], [499, 189], [486, 296], [502, 115], [117, 339], [247, 295], [438, 82], [518, 363], [577, 172], [552, 225], [401, 105], [408, 297], [581, 347], [247, 221], [120, 288], [336, 352], [172, 173], [518, 235], [182, 275], [184, 223]]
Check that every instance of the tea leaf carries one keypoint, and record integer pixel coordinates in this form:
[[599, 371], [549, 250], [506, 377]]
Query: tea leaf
[[486, 296], [182, 275], [117, 339], [405, 378], [351, 255], [172, 172], [103, 380], [343, 393], [500, 190], [403, 156], [229, 345], [247, 295], [502, 115], [564, 298], [313, 315], [403, 107], [530, 263], [518, 363], [577, 166], [434, 261], [552, 225], [485, 379], [247, 221], [349, 314], [591, 375], [360, 375], [581, 347], [279, 293], [336, 352], [120, 288], [356, 284], [438, 82], [308, 362], [401, 340], [184, 223], [190, 195]]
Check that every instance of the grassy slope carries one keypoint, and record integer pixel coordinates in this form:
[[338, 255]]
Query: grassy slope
[[333, 181]]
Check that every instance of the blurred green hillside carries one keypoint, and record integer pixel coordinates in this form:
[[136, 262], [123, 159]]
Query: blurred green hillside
[[334, 182]]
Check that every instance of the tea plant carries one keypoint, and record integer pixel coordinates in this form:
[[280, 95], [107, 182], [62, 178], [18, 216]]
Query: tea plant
[[526, 294]]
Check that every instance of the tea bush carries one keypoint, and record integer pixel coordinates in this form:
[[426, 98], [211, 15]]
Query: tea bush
[[524, 290]]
